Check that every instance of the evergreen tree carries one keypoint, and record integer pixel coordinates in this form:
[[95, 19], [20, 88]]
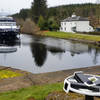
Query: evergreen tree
[[38, 8], [52, 25], [24, 13], [41, 23]]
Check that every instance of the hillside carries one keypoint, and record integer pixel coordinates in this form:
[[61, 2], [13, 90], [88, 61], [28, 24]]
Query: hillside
[[92, 11]]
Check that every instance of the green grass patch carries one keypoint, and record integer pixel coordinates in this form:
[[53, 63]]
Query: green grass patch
[[8, 74], [38, 92], [66, 35]]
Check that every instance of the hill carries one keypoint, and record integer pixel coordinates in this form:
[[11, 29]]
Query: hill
[[92, 11]]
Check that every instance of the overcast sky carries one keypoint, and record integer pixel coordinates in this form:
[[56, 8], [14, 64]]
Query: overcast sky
[[13, 6]]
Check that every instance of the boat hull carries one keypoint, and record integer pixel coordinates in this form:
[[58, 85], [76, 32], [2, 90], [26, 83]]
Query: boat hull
[[9, 32], [8, 50]]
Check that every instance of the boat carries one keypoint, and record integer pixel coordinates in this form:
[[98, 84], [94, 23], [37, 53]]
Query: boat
[[8, 49], [8, 26], [85, 84], [10, 42]]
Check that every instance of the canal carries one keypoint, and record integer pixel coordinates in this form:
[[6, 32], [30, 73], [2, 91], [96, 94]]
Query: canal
[[43, 54]]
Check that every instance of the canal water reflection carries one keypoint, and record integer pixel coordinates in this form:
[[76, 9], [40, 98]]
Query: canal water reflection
[[43, 54]]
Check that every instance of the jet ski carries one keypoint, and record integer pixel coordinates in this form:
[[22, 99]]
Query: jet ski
[[81, 83]]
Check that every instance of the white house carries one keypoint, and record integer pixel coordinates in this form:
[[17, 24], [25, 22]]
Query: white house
[[76, 24]]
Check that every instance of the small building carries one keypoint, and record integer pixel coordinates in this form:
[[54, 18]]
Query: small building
[[76, 24]]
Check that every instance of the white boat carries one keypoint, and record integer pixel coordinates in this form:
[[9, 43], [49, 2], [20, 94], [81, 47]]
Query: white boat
[[8, 49], [81, 83], [8, 26]]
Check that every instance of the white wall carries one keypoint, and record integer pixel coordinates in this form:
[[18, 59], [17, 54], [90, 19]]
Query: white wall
[[81, 26], [67, 26]]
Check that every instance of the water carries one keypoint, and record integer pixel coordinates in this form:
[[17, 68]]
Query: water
[[42, 54]]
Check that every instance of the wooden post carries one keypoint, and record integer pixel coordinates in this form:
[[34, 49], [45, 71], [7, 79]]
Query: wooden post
[[89, 97]]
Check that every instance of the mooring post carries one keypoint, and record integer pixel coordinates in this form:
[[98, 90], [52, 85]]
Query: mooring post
[[89, 97]]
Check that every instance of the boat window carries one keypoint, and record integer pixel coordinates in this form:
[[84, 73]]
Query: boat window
[[14, 24], [6, 20], [2, 24], [7, 24]]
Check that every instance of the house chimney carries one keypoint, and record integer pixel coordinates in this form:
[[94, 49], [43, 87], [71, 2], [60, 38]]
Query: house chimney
[[74, 15]]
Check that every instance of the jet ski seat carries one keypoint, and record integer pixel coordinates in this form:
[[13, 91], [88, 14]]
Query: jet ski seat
[[81, 78]]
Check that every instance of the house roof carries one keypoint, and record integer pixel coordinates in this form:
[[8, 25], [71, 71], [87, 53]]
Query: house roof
[[75, 18]]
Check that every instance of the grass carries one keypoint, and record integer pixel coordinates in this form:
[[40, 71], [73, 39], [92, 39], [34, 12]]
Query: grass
[[4, 74], [72, 36], [38, 92]]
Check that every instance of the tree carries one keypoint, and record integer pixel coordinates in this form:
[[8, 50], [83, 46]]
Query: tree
[[39, 8], [41, 23], [24, 13], [52, 25], [55, 26]]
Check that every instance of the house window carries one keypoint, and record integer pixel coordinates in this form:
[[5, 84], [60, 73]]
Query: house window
[[62, 23], [65, 23], [61, 28]]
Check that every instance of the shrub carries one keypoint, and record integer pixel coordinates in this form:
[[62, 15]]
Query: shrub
[[29, 27]]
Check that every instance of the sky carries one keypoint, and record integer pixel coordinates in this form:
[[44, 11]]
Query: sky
[[14, 6]]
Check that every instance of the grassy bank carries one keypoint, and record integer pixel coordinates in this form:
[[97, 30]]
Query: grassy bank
[[38, 92], [76, 36]]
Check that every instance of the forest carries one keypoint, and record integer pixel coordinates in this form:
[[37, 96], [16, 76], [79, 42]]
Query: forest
[[49, 18]]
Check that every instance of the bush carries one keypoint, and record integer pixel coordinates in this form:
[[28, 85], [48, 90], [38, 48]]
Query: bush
[[52, 25], [20, 21], [29, 27], [43, 24]]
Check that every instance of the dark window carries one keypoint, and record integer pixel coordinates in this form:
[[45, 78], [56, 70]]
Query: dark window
[[74, 29], [7, 20], [61, 28], [62, 23]]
